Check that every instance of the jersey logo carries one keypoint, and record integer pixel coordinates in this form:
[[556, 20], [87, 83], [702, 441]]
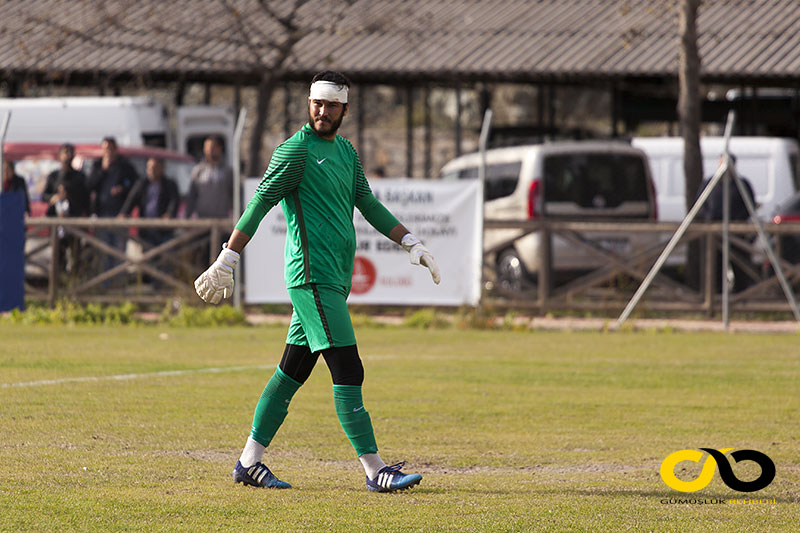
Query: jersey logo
[[320, 161]]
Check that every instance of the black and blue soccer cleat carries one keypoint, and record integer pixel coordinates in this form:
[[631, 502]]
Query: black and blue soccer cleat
[[390, 479], [257, 475]]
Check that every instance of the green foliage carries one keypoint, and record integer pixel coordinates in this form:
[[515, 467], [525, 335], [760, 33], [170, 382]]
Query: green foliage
[[207, 316], [67, 313], [426, 319], [363, 320]]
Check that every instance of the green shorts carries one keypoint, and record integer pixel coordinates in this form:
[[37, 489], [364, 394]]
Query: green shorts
[[320, 318]]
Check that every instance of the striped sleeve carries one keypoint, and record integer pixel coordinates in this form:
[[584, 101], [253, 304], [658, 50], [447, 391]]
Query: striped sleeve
[[283, 175], [362, 186]]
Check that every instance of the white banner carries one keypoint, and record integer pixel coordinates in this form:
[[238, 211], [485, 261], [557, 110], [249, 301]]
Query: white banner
[[444, 215]]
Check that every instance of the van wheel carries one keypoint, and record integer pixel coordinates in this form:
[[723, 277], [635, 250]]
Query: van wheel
[[511, 273]]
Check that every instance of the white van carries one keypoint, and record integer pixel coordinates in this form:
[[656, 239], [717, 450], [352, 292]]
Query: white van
[[769, 164], [580, 180], [131, 120]]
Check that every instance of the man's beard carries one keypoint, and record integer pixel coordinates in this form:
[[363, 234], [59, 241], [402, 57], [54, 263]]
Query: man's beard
[[329, 127]]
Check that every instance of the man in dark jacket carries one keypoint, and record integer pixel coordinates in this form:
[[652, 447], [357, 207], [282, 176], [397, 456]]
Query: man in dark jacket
[[73, 182], [156, 197], [111, 181]]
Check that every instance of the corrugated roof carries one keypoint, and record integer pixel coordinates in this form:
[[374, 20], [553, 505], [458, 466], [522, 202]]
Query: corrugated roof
[[398, 39]]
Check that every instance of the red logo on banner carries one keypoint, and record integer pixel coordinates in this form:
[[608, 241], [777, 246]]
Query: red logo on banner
[[364, 275]]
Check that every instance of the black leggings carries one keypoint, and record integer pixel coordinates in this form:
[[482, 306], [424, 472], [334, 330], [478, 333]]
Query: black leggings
[[343, 362]]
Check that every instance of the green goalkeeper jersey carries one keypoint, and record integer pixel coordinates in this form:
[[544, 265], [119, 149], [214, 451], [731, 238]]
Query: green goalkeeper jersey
[[318, 182]]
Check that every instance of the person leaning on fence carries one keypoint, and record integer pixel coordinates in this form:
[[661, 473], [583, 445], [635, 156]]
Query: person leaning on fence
[[211, 191], [110, 182], [155, 197], [711, 211], [317, 178], [71, 180], [14, 182]]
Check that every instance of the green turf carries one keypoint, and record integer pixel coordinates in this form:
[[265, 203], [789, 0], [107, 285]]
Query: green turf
[[512, 431]]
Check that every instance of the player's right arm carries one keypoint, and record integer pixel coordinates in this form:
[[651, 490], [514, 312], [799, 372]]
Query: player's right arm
[[283, 175]]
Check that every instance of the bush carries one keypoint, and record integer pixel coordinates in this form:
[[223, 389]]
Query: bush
[[426, 319], [188, 316], [66, 312]]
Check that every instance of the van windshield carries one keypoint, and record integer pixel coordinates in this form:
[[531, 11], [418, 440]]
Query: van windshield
[[501, 178], [595, 180]]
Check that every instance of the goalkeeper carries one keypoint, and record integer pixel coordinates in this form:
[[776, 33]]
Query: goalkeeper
[[317, 177]]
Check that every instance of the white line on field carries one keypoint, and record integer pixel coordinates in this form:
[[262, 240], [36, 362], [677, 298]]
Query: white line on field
[[162, 373], [126, 377]]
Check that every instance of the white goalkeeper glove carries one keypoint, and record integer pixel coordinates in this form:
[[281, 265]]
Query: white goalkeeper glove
[[420, 255], [217, 282]]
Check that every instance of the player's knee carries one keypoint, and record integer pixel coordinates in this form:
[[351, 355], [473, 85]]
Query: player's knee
[[345, 365]]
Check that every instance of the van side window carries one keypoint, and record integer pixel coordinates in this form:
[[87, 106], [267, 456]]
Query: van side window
[[595, 180], [501, 178]]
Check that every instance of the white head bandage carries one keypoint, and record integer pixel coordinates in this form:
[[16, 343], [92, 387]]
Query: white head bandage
[[327, 90]]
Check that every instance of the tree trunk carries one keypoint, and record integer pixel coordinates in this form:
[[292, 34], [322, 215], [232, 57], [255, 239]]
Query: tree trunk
[[255, 166], [689, 119]]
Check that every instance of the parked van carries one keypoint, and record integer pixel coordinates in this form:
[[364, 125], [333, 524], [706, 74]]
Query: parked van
[[131, 120], [583, 181], [769, 164]]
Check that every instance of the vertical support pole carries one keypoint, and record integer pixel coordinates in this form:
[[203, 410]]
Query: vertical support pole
[[237, 96], [428, 139], [540, 111], [52, 290], [615, 107], [459, 111], [545, 265], [708, 273], [410, 131], [362, 149], [237, 197], [214, 244], [287, 110], [726, 243]]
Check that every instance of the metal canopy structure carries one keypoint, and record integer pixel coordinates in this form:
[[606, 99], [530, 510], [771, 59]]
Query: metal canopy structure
[[393, 41]]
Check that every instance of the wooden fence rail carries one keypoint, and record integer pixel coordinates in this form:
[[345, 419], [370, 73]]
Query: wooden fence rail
[[98, 271], [95, 270]]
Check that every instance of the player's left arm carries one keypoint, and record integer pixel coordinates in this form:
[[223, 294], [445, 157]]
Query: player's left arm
[[385, 222]]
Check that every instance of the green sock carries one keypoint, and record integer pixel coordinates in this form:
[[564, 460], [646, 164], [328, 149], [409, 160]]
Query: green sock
[[354, 418], [273, 406]]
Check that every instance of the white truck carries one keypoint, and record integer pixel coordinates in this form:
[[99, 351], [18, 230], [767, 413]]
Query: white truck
[[769, 163], [132, 120]]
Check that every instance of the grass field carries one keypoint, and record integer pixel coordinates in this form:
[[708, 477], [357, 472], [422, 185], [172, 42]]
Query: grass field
[[512, 431]]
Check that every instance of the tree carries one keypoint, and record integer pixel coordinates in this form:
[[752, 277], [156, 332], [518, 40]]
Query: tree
[[689, 117], [217, 41]]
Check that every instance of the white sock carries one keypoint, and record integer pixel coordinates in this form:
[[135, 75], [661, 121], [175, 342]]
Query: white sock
[[253, 452], [372, 464]]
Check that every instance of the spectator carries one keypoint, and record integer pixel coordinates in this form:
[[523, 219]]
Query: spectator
[[112, 178], [68, 245], [156, 197], [379, 173], [72, 181], [13, 182], [711, 211], [211, 191]]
